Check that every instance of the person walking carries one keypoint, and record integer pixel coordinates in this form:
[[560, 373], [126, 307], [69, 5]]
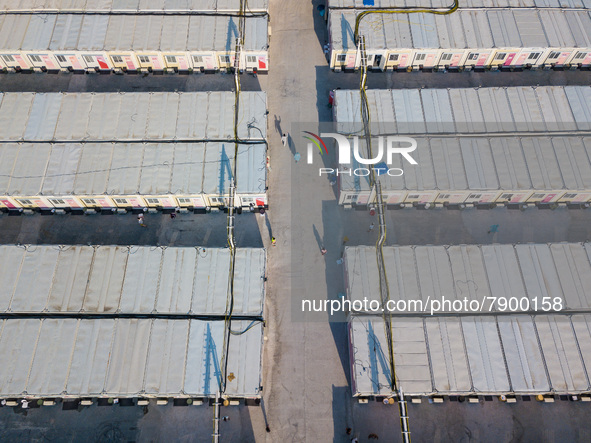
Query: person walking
[[140, 220], [493, 229], [284, 139], [371, 226], [297, 157], [323, 251], [273, 241]]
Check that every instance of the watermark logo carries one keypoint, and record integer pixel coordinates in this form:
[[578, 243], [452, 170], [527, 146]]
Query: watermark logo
[[387, 148], [317, 141]]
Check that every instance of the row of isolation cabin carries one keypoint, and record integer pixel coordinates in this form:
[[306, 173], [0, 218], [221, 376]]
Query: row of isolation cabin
[[467, 39], [131, 176], [131, 6], [131, 151], [473, 146], [131, 43], [135, 322], [541, 345]]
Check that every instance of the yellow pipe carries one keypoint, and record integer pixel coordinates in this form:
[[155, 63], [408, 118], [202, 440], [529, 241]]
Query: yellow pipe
[[451, 9]]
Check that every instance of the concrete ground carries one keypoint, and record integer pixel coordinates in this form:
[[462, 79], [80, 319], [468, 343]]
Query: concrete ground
[[307, 396]]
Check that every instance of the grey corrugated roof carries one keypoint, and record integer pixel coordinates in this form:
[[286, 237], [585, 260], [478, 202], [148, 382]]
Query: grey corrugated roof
[[170, 358], [128, 32], [472, 110], [105, 6], [501, 163], [130, 169], [485, 354], [131, 116], [140, 280]]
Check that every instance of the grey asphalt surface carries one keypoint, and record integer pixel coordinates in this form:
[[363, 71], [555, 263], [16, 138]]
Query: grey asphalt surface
[[70, 82], [185, 230], [306, 370]]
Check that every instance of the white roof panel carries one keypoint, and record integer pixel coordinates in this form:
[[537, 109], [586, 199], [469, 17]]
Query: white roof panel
[[562, 356], [14, 114], [59, 178], [38, 33], [68, 30], [92, 33], [43, 117]]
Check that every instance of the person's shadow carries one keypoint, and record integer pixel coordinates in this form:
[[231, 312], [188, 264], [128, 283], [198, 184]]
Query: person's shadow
[[268, 224], [278, 124], [291, 144], [318, 239]]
